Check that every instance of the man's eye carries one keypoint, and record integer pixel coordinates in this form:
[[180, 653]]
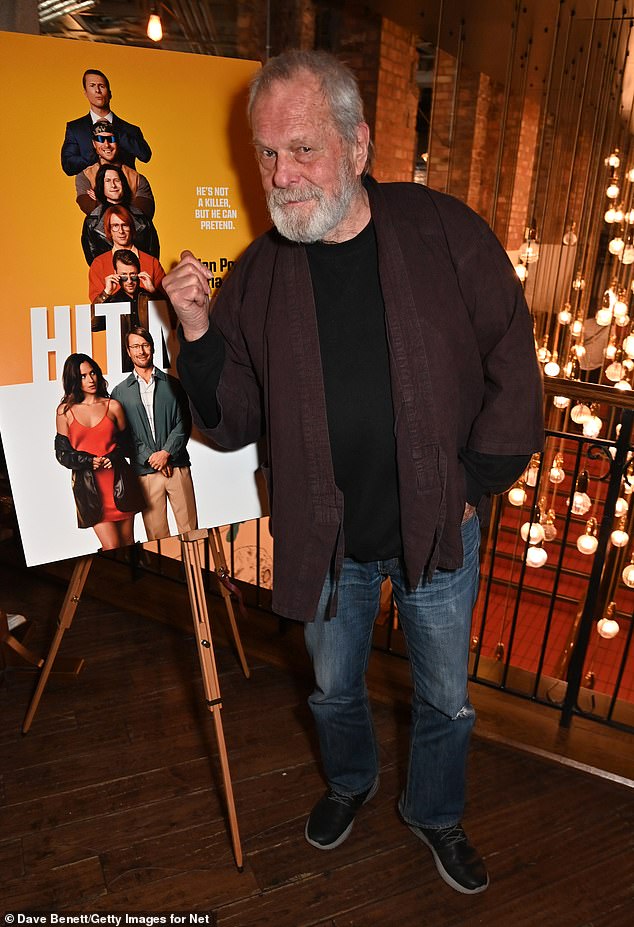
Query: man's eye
[[267, 153]]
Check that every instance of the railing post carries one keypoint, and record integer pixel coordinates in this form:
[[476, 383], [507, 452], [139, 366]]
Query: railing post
[[575, 668]]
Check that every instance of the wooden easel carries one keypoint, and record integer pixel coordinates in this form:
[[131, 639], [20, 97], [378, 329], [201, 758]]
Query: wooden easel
[[193, 569]]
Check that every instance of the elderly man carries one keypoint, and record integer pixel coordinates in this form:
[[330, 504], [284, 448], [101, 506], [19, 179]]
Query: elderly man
[[77, 148], [379, 338], [106, 145], [157, 415]]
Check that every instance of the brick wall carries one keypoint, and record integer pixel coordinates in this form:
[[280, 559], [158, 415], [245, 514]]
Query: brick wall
[[396, 105]]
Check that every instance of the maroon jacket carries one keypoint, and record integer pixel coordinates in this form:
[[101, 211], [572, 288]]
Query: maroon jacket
[[463, 368]]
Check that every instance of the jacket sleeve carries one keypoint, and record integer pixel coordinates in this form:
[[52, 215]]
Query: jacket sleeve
[[69, 457], [72, 159], [131, 140], [179, 433], [218, 373], [510, 421]]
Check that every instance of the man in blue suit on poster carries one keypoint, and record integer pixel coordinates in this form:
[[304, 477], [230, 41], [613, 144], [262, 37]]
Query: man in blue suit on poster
[[78, 151]]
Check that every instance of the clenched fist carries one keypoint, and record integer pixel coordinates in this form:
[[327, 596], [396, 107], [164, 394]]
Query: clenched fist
[[187, 288]]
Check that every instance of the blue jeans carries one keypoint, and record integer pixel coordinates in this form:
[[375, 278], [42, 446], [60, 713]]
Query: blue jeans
[[436, 622]]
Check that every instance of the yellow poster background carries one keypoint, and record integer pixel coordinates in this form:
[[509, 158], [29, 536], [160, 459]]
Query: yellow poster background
[[190, 109]]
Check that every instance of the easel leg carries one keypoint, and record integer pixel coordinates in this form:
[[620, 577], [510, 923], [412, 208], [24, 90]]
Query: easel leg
[[66, 615], [220, 563], [195, 586]]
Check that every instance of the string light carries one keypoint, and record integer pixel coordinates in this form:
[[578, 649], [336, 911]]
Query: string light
[[587, 543], [581, 501], [154, 27], [607, 626]]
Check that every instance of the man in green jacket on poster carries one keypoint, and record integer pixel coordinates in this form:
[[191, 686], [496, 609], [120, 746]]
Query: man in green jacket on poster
[[157, 414]]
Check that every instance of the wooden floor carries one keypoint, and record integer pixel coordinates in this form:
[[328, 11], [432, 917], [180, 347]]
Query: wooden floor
[[111, 802]]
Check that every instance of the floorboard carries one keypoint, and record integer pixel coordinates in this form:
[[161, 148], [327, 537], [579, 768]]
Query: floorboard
[[112, 803]]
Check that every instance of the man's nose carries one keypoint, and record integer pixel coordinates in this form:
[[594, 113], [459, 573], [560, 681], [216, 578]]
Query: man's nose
[[285, 172]]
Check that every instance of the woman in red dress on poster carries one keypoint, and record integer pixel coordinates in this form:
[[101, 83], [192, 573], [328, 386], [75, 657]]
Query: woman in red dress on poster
[[89, 428]]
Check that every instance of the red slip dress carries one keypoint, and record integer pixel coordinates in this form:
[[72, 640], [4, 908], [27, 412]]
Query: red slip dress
[[99, 440]]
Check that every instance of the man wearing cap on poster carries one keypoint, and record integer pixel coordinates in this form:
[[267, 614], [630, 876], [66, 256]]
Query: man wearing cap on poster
[[379, 338], [104, 139], [158, 419], [77, 149]]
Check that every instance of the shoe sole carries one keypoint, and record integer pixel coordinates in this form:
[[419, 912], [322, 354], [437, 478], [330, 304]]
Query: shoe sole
[[342, 836], [442, 872]]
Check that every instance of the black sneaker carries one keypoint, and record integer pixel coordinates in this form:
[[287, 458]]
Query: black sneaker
[[332, 818], [457, 861]]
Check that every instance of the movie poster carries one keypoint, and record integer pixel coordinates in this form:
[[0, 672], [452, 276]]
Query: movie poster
[[94, 213]]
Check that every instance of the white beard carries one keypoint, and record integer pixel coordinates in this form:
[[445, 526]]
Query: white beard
[[298, 224]]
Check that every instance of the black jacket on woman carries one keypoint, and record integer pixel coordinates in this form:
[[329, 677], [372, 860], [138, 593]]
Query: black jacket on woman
[[127, 495]]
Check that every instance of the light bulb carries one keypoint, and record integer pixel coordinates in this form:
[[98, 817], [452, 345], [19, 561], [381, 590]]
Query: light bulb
[[154, 28], [592, 426], [557, 474], [607, 628], [532, 532], [610, 215], [587, 544], [530, 476], [619, 537], [603, 316], [613, 160], [543, 354], [628, 575], [517, 495], [628, 254], [612, 191], [616, 245], [552, 369], [550, 532], [620, 309], [536, 557], [610, 351], [561, 402], [630, 175], [581, 503], [580, 413], [615, 371], [623, 385], [618, 214], [521, 271], [621, 507], [578, 283], [628, 345], [622, 321], [565, 315], [570, 237], [529, 251], [579, 350], [576, 327]]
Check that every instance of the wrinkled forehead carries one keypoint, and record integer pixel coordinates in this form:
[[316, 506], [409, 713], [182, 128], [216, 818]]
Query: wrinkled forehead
[[300, 96]]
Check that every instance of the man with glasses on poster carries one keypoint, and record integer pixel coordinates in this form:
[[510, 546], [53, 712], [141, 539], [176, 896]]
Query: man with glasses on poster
[[157, 413]]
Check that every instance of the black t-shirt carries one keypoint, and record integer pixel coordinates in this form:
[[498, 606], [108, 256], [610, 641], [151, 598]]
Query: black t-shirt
[[355, 363]]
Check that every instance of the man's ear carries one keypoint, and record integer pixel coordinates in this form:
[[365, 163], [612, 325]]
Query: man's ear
[[361, 146]]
